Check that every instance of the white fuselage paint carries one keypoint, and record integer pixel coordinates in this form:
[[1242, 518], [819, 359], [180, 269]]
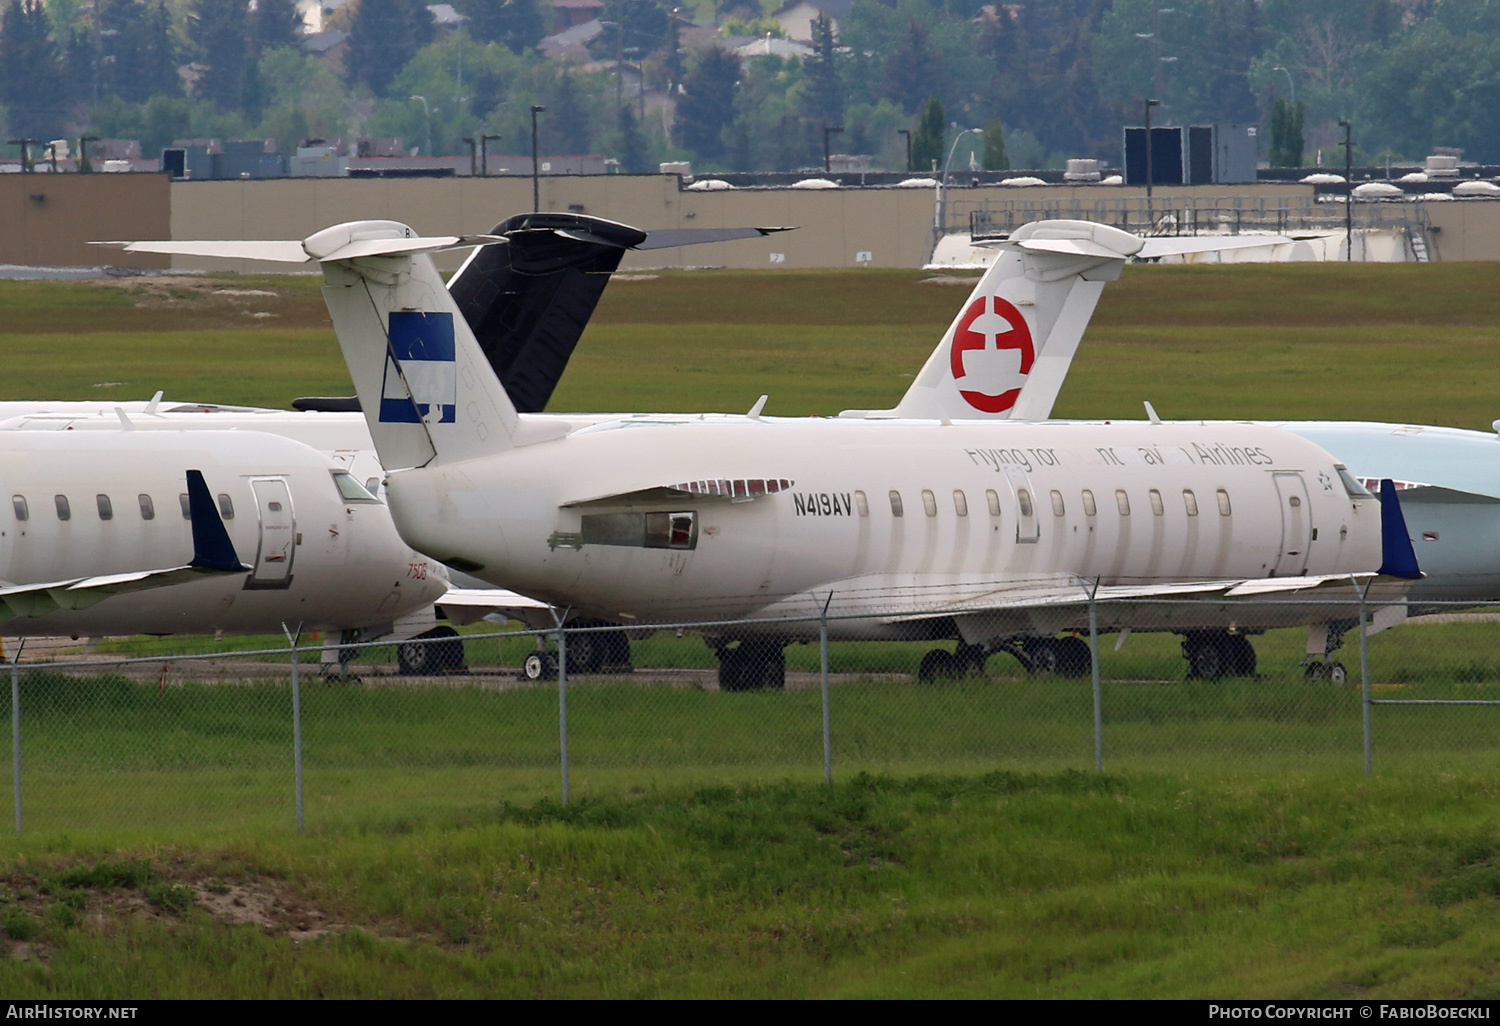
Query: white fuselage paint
[[783, 554], [320, 561]]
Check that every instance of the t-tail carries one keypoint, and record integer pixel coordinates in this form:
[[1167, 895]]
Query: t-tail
[[1007, 353]]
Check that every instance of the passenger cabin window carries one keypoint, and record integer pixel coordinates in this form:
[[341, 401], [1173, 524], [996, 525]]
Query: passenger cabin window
[[187, 506], [1089, 508], [861, 504], [1122, 501], [929, 502], [960, 502], [64, 512], [993, 500], [1190, 501], [18, 503], [1157, 509], [1023, 499], [351, 490], [1223, 503], [148, 508], [226, 506], [642, 530], [106, 508], [1057, 503], [896, 507]]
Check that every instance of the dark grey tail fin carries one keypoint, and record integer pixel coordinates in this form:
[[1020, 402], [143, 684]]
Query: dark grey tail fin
[[528, 301]]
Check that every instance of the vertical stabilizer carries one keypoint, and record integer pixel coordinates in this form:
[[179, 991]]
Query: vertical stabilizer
[[1007, 353], [425, 387]]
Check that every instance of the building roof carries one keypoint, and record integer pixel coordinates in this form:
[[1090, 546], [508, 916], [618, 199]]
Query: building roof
[[835, 9], [589, 5]]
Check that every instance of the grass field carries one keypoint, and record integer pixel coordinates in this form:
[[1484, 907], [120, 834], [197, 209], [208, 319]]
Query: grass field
[[1234, 846]]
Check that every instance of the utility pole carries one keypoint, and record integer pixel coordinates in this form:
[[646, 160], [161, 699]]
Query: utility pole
[[484, 157], [906, 132], [25, 145], [536, 189], [1349, 186], [473, 156], [827, 158]]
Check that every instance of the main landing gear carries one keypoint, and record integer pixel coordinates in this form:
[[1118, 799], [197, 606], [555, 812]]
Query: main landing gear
[[1324, 639], [755, 664], [1042, 657], [593, 651], [1214, 654], [443, 652]]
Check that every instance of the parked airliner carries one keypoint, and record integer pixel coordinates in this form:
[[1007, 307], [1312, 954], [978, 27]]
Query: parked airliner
[[92, 513], [913, 525]]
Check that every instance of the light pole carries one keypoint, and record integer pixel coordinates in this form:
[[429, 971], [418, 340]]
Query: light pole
[[1149, 169], [941, 218], [536, 189], [1289, 83], [1349, 183], [827, 159], [25, 145], [84, 167], [473, 163], [906, 132], [484, 157], [427, 116]]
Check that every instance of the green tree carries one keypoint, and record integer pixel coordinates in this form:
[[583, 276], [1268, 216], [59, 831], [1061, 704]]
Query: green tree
[[1286, 134], [911, 70], [385, 36], [275, 23], [824, 93], [927, 140], [994, 147], [706, 107], [33, 86], [252, 88], [516, 23], [633, 158], [219, 30], [566, 130]]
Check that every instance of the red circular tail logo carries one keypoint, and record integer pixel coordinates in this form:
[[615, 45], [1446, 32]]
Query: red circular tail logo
[[989, 326]]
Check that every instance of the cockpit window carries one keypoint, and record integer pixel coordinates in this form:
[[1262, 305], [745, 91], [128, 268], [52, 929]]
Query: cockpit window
[[1351, 484], [351, 489]]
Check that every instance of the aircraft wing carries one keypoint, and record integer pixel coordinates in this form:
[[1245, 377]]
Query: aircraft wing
[[213, 554], [470, 605], [1182, 245]]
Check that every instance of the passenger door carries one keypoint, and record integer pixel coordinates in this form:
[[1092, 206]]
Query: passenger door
[[278, 534], [1296, 525]]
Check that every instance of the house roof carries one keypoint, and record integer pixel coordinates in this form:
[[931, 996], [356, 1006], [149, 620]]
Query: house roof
[[835, 9]]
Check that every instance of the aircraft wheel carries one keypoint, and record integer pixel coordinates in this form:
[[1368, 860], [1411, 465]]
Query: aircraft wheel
[[586, 651], [1315, 671], [732, 670], [1073, 657], [1337, 674], [1207, 657], [616, 649], [970, 659], [1241, 656], [411, 660], [938, 664], [1041, 656], [540, 666]]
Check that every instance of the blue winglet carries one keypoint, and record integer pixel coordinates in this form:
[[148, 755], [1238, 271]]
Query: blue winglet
[[212, 549], [1398, 558]]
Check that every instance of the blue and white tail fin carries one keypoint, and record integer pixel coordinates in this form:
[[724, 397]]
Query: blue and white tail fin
[[426, 389], [1007, 353]]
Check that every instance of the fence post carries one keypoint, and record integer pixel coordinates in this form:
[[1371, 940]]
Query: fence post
[[15, 731], [1364, 674], [1098, 698], [292, 639], [562, 704], [827, 730]]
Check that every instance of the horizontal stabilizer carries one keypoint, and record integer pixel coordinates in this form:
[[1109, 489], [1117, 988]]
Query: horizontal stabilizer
[[318, 247], [464, 606], [664, 238]]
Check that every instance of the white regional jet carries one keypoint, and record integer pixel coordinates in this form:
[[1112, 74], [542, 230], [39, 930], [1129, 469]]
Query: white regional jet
[[914, 524], [99, 523]]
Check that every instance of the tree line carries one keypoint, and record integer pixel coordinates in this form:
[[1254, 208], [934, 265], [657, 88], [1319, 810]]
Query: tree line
[[1045, 79]]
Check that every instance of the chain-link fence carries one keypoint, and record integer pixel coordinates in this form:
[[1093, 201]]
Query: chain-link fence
[[380, 734]]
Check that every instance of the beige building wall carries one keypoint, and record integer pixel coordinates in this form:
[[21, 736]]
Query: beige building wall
[[48, 220]]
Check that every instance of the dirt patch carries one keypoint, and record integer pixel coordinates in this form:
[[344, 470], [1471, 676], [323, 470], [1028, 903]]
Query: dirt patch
[[264, 904], [949, 279]]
